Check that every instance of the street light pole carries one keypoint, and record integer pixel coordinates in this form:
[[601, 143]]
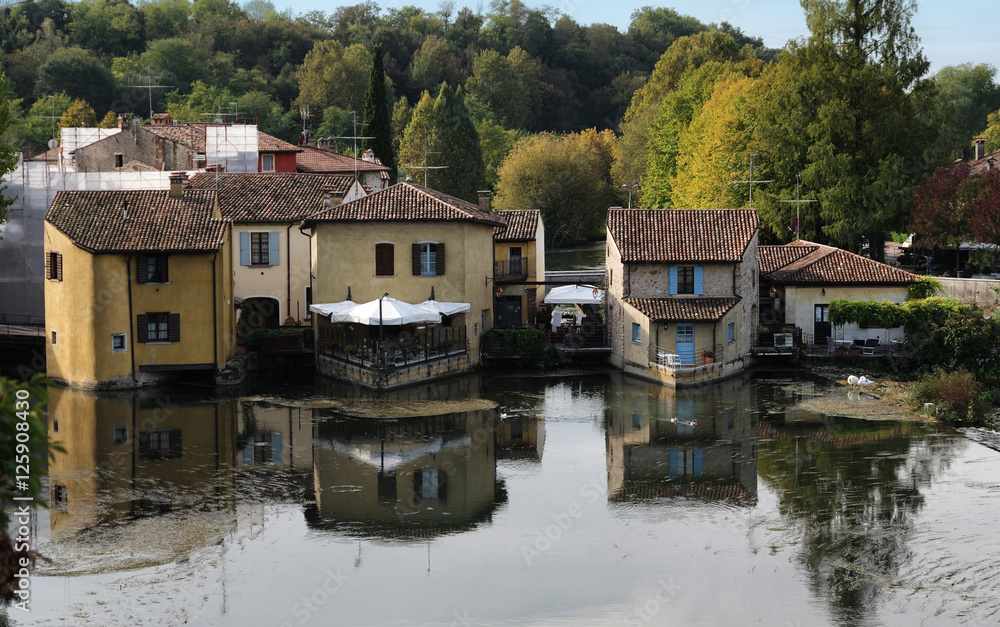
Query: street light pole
[[380, 336], [630, 188]]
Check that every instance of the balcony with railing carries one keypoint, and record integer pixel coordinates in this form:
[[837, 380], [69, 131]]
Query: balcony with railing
[[777, 340], [513, 269]]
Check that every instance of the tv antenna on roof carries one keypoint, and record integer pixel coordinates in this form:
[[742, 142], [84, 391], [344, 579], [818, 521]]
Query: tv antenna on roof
[[355, 138], [797, 224], [751, 181], [426, 167], [150, 87]]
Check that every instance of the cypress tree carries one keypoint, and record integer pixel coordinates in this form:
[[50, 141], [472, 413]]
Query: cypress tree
[[463, 154], [377, 122]]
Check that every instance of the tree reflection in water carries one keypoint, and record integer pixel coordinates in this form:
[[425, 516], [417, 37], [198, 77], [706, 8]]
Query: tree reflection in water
[[852, 488]]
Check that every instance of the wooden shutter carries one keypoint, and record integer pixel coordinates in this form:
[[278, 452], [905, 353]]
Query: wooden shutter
[[273, 248], [141, 269], [416, 260], [439, 270], [48, 266], [673, 281], [384, 259], [244, 249], [144, 451], [164, 267], [142, 330], [173, 327], [699, 280], [58, 266]]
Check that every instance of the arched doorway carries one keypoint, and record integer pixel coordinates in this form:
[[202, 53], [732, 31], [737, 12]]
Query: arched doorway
[[260, 313]]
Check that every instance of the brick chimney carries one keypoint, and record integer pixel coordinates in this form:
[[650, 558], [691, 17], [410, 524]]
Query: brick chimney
[[484, 200], [332, 197], [980, 147], [178, 183]]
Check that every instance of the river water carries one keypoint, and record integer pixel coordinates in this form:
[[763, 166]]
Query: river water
[[582, 499]]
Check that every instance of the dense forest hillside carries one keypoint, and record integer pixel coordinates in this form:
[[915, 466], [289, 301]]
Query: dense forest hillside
[[529, 69]]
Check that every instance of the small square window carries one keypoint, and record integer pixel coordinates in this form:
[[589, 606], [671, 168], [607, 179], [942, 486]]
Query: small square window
[[731, 333], [52, 336], [119, 160], [267, 163], [53, 266], [117, 342], [121, 435], [636, 332]]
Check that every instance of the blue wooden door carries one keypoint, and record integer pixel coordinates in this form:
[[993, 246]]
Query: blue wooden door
[[685, 344]]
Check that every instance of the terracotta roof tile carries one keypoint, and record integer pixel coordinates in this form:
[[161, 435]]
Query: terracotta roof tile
[[770, 258], [979, 167], [828, 265], [686, 309], [522, 226], [155, 222], [313, 159], [270, 197], [193, 136], [407, 202], [681, 235]]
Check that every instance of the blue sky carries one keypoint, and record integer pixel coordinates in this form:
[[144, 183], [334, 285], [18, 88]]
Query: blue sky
[[951, 33]]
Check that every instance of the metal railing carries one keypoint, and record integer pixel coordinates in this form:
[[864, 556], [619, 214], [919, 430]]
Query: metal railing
[[17, 324], [667, 358], [398, 351], [506, 268]]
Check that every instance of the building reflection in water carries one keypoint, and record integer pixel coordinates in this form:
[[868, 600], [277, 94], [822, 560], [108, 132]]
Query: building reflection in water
[[406, 478], [521, 436], [698, 443]]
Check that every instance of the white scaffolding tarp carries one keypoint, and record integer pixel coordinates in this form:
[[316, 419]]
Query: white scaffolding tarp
[[22, 255], [234, 147], [74, 137]]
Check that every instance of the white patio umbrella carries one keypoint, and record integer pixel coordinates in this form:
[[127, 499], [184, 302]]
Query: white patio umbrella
[[393, 312], [575, 295], [446, 308], [328, 309]]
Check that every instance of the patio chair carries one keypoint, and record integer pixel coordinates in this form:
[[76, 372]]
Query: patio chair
[[870, 346]]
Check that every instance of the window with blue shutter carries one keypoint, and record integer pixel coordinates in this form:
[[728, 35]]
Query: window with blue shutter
[[731, 333], [274, 248], [673, 281], [699, 280], [244, 249]]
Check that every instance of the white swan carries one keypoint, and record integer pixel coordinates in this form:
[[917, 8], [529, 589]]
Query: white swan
[[865, 381], [852, 380]]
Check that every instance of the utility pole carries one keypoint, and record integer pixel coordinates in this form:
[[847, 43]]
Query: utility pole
[[797, 201], [752, 181]]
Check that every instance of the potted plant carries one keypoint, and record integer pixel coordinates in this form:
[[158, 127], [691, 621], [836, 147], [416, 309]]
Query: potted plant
[[709, 357], [349, 349], [448, 343]]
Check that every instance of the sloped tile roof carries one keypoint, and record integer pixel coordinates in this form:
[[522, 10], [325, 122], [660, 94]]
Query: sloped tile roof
[[826, 265], [522, 226], [407, 202], [684, 309], [155, 222], [270, 197], [193, 136], [682, 235], [978, 167], [313, 159], [770, 258]]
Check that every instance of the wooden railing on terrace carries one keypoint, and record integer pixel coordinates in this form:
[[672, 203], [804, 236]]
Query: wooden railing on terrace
[[511, 268]]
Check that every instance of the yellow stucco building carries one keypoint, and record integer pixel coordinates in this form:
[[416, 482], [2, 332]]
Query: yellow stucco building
[[519, 249], [407, 241], [138, 286]]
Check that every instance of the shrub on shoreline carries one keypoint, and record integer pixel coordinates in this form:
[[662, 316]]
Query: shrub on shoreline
[[956, 393]]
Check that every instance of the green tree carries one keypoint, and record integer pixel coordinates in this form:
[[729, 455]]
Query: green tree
[[202, 99], [566, 177], [108, 27], [377, 120], [420, 147], [401, 114], [851, 111], [496, 143], [968, 94], [434, 63], [78, 73], [493, 82], [78, 115], [33, 130], [165, 18], [992, 132], [176, 56], [644, 111], [8, 150], [463, 175], [332, 75]]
